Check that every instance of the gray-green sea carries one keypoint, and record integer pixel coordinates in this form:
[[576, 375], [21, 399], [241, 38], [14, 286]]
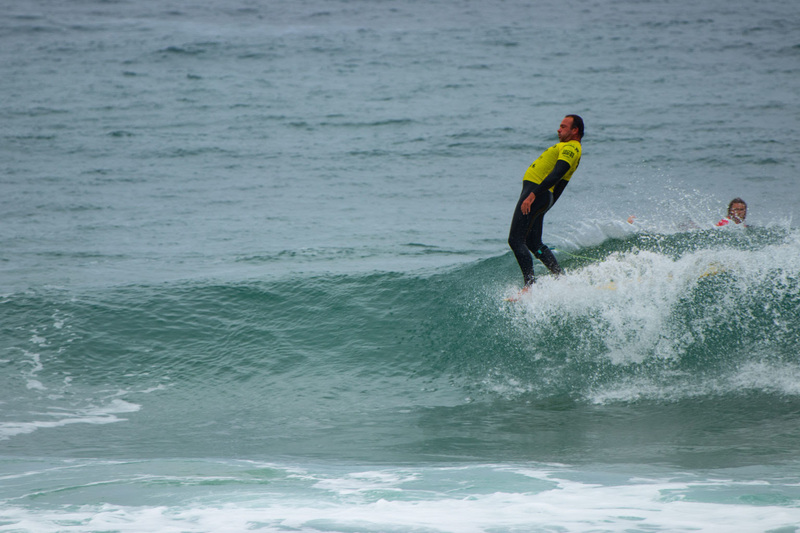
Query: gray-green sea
[[253, 267]]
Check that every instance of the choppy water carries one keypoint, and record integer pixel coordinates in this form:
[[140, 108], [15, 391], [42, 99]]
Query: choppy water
[[253, 268]]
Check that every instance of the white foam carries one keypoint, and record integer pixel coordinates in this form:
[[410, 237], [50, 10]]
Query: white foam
[[768, 376], [629, 295], [35, 360], [102, 414], [760, 376], [629, 301], [365, 481], [551, 503], [38, 340], [35, 384]]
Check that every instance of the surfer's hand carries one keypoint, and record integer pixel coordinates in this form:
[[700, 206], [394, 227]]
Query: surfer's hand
[[526, 204]]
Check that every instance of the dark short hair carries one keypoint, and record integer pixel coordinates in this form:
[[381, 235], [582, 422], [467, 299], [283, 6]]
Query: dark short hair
[[736, 201], [577, 122]]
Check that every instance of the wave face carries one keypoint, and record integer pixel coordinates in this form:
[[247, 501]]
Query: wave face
[[657, 324]]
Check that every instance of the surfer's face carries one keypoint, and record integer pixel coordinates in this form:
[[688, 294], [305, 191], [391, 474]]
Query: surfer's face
[[566, 132], [738, 212]]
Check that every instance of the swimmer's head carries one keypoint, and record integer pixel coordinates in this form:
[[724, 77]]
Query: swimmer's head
[[737, 210]]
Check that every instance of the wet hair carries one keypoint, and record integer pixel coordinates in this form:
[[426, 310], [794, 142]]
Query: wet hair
[[577, 122], [736, 201]]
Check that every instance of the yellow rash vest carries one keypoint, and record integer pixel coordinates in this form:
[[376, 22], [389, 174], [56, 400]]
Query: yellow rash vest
[[569, 151]]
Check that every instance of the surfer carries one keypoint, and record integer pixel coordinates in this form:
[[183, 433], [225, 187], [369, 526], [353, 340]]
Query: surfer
[[543, 183], [737, 212]]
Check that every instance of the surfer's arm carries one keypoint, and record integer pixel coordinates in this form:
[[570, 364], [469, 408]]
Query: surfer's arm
[[553, 178], [559, 188], [555, 175]]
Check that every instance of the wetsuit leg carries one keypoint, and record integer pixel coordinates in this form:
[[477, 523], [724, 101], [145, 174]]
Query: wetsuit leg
[[539, 249], [522, 226], [546, 256]]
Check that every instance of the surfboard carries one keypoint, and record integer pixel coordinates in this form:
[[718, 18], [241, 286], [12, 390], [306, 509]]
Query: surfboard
[[712, 270], [610, 286]]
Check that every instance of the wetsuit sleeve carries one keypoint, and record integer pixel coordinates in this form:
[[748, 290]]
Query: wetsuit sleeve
[[555, 175], [559, 188]]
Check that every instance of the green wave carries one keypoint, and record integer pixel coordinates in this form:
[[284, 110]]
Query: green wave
[[649, 317]]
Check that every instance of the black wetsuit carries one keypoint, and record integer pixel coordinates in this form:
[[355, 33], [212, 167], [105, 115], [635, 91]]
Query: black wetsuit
[[525, 236]]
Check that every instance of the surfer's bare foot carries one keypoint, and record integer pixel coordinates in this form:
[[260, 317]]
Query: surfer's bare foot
[[519, 295]]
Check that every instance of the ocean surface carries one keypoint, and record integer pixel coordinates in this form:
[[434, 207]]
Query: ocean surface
[[253, 267]]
